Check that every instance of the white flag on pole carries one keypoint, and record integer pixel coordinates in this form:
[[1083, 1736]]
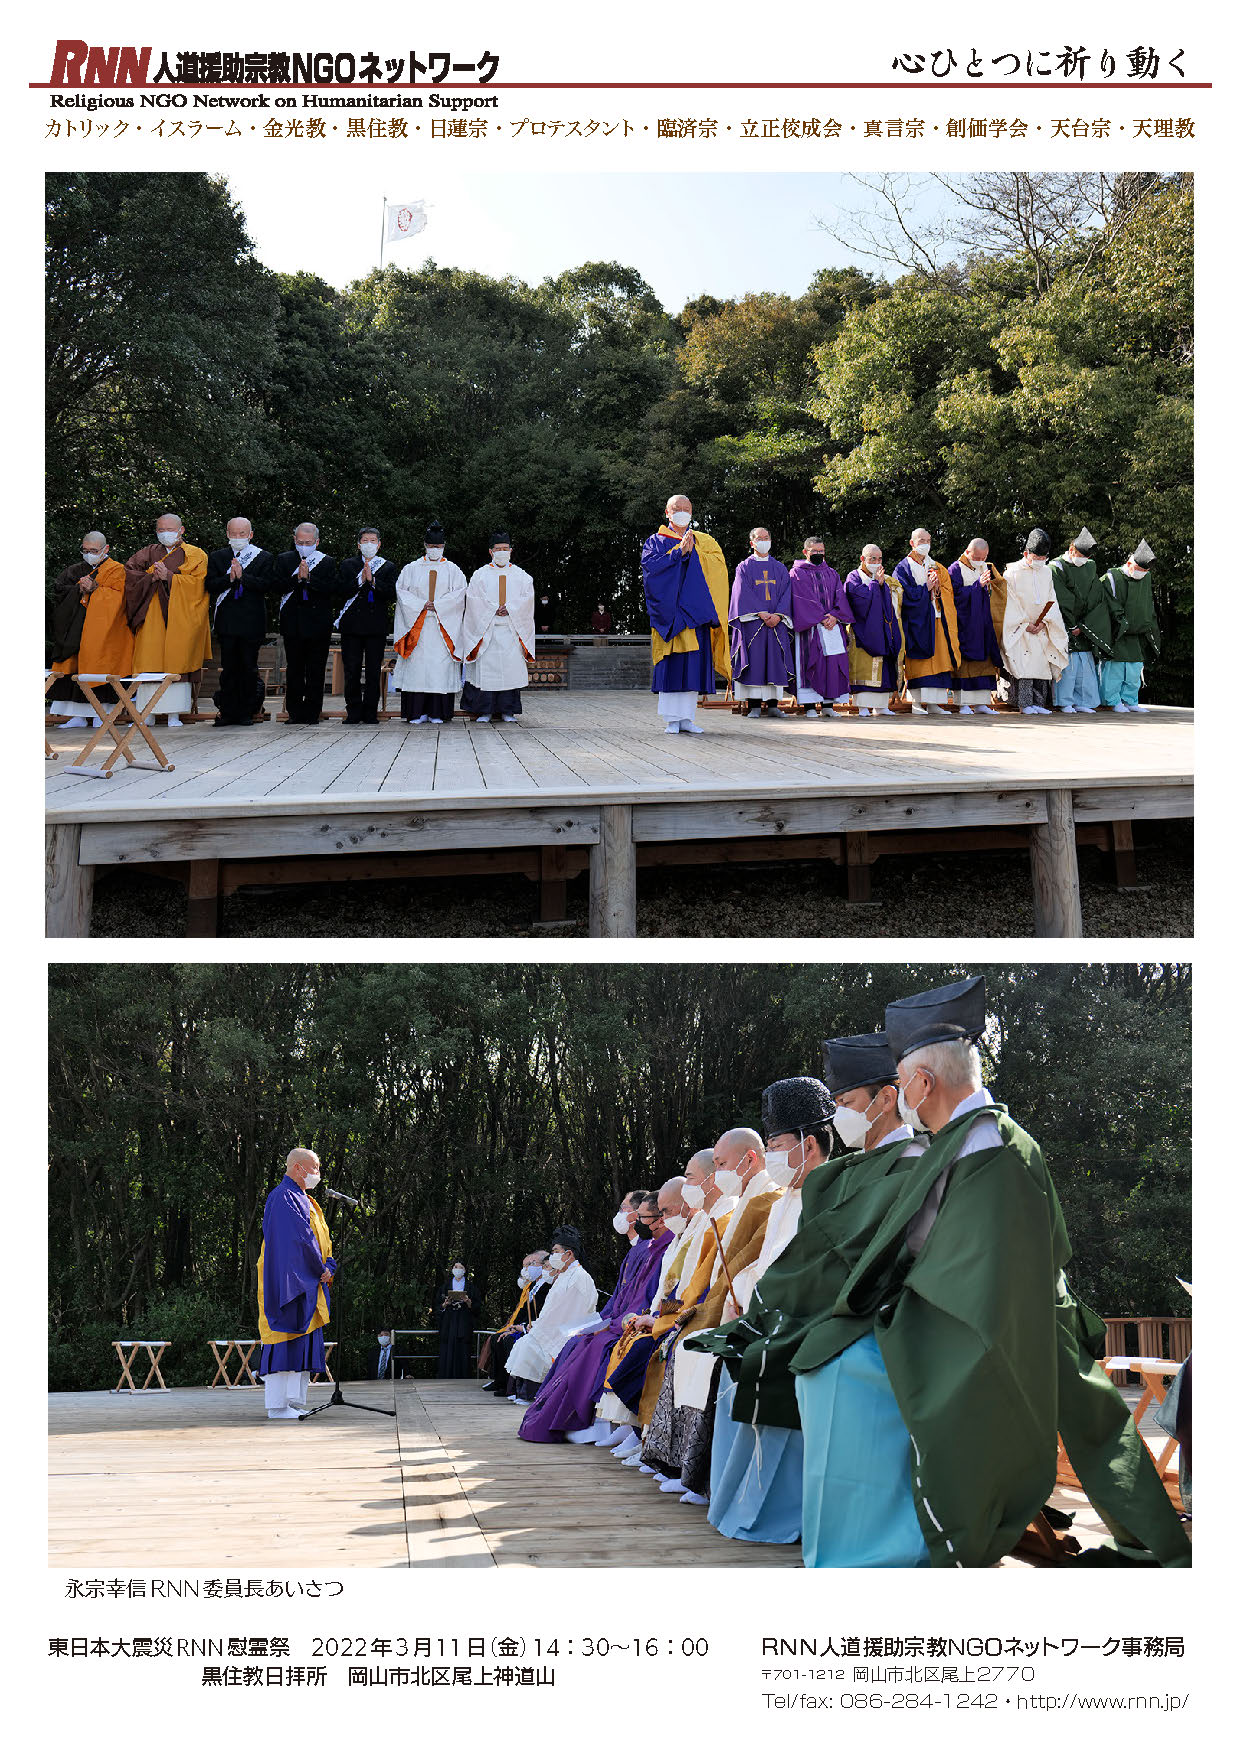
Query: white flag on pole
[[405, 220]]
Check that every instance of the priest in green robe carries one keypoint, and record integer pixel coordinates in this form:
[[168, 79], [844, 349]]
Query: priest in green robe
[[1135, 631], [921, 1330], [1079, 594]]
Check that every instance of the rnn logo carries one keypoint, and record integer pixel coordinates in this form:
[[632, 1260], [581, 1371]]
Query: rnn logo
[[78, 63]]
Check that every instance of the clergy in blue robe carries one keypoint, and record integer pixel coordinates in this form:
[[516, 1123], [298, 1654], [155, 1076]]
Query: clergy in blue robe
[[978, 651], [685, 578], [760, 622], [295, 1274], [876, 640]]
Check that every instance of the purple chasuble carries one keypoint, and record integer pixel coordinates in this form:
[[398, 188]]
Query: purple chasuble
[[760, 653], [817, 591], [567, 1395]]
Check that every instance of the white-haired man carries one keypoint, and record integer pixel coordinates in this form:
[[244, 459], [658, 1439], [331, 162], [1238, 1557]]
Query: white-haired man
[[685, 577], [306, 580], [295, 1274], [929, 620], [979, 660], [239, 575]]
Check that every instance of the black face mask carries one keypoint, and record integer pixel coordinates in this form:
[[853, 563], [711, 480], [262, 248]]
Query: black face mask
[[817, 559], [642, 1231]]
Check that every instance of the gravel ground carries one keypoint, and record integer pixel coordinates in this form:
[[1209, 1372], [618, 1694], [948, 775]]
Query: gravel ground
[[935, 896]]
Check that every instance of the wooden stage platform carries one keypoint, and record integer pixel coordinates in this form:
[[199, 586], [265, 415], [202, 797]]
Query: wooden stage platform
[[202, 1478], [590, 779]]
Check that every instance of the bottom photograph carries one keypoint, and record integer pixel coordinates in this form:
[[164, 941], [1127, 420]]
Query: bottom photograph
[[776, 1265]]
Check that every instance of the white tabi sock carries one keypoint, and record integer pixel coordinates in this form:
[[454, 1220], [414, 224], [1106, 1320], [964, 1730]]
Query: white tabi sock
[[689, 725], [694, 1498]]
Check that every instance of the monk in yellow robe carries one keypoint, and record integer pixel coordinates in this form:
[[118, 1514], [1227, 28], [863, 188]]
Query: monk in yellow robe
[[929, 621], [166, 603], [687, 585], [89, 631]]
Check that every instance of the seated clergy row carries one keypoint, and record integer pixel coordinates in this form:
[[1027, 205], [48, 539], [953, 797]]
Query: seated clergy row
[[872, 1352], [946, 634], [160, 611]]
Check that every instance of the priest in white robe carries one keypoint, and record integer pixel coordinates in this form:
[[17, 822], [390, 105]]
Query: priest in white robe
[[1036, 644], [497, 636], [430, 609], [571, 1301]]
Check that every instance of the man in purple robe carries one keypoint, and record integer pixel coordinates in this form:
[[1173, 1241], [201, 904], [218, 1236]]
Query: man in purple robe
[[565, 1404], [973, 579], [874, 662], [295, 1274], [760, 626], [821, 613]]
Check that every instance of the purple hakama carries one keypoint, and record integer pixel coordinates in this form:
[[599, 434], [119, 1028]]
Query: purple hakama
[[876, 629], [822, 675], [566, 1398]]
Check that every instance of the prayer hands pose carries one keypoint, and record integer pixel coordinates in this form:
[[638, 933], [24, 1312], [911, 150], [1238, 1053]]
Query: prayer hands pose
[[159, 570], [366, 576], [933, 586], [234, 571], [303, 571], [686, 544]]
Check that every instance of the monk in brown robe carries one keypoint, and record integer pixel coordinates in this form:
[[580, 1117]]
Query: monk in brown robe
[[166, 605], [89, 630]]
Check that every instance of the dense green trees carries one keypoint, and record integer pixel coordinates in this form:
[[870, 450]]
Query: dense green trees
[[1045, 378], [474, 1107]]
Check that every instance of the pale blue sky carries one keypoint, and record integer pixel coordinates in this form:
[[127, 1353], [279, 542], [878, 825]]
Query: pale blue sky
[[709, 232]]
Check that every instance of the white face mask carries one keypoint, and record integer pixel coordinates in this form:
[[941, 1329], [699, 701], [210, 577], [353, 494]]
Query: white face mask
[[238, 543], [435, 554], [169, 538], [675, 1225], [91, 558], [693, 1195], [385, 1339], [368, 550], [874, 568], [679, 520], [762, 548], [501, 557], [556, 1261], [727, 1182], [779, 1168], [531, 1274], [922, 548], [1136, 572], [306, 549], [909, 1115], [620, 1224], [851, 1126], [1076, 559], [312, 1180]]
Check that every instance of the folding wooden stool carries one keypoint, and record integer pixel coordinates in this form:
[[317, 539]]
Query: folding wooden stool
[[154, 1350], [120, 720]]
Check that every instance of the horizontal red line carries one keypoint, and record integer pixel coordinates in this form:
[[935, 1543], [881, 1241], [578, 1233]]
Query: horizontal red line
[[708, 85]]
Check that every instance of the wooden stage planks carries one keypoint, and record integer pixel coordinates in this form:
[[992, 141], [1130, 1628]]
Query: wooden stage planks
[[200, 1478], [289, 791]]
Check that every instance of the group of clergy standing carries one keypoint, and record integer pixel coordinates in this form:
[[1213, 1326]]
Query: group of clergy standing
[[159, 612], [1045, 629], [850, 1330]]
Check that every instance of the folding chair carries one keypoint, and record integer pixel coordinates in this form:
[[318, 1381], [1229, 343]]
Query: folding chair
[[154, 1350], [120, 721]]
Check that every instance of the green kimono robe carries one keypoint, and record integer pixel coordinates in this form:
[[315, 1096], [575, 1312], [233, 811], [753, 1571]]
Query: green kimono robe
[[1079, 592], [987, 1351], [1131, 607]]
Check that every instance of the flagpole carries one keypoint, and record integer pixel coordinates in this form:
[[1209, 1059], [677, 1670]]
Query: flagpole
[[383, 226]]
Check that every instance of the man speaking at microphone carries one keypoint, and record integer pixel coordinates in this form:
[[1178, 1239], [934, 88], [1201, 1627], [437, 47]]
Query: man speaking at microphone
[[294, 1281]]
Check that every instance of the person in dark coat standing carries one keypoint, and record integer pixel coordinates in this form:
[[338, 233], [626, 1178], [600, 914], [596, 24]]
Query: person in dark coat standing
[[238, 579], [306, 580], [368, 584], [456, 1311]]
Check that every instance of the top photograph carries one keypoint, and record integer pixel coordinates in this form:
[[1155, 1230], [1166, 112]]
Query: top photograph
[[631, 555]]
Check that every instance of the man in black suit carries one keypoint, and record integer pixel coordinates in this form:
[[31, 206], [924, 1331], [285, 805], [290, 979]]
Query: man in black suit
[[381, 1360], [306, 580], [238, 579], [368, 582]]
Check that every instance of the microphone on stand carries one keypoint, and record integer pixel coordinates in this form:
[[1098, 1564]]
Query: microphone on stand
[[345, 1199]]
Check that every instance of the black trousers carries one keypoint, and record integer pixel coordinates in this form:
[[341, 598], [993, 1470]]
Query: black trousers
[[240, 693], [360, 651], [305, 666], [435, 706], [490, 702]]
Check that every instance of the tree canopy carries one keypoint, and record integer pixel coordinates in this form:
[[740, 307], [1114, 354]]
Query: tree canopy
[[474, 1107], [1033, 367]]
